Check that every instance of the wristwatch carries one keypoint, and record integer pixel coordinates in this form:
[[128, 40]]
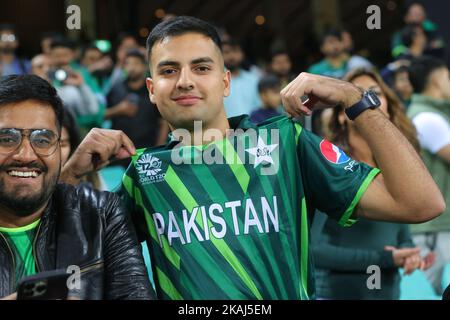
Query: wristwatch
[[369, 101]]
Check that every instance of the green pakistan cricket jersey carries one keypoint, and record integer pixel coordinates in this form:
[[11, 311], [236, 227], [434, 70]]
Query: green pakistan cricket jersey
[[230, 220], [20, 242]]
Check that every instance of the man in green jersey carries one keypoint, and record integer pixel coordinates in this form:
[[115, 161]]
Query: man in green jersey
[[225, 206]]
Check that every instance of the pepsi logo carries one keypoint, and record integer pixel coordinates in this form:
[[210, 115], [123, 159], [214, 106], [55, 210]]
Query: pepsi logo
[[332, 153]]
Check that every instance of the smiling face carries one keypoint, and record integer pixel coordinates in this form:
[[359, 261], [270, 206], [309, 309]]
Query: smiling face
[[188, 81], [27, 179]]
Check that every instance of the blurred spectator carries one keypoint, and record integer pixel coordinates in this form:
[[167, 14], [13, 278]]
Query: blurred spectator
[[90, 56], [414, 41], [416, 16], [70, 137], [335, 59], [343, 255], [430, 113], [71, 82], [98, 64], [63, 54], [396, 75], [9, 62], [281, 66], [124, 43], [335, 65], [243, 98], [354, 61], [69, 141], [269, 92], [130, 109], [46, 41], [40, 66]]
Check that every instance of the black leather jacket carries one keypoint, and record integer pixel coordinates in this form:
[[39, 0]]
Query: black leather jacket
[[89, 229]]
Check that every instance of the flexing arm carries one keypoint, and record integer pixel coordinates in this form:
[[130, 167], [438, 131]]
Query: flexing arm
[[404, 191]]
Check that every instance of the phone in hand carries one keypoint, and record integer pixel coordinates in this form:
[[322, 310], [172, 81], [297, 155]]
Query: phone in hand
[[58, 74], [48, 285]]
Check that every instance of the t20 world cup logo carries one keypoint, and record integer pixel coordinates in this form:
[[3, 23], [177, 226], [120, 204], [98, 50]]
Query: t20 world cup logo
[[148, 165]]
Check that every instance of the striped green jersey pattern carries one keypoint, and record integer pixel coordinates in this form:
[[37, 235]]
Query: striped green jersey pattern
[[238, 227]]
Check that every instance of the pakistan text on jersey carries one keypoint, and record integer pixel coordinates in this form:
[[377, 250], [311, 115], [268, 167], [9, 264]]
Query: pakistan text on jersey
[[263, 220]]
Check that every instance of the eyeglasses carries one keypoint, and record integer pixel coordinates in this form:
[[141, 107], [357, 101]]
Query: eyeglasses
[[43, 141], [7, 38]]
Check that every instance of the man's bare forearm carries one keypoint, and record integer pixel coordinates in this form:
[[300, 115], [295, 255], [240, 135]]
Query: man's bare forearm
[[67, 176], [405, 176]]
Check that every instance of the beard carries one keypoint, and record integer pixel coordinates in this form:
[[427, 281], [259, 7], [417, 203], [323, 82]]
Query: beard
[[335, 53], [26, 205], [7, 50], [131, 77]]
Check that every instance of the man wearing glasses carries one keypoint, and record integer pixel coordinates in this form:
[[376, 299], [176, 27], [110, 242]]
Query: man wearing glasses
[[10, 63], [45, 226]]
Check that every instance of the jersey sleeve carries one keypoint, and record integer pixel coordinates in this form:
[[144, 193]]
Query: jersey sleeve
[[333, 182]]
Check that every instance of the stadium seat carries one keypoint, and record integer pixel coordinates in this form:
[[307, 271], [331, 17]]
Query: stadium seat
[[416, 287], [112, 177], [445, 276], [148, 262]]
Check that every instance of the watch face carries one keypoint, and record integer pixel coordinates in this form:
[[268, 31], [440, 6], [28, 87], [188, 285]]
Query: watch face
[[373, 98]]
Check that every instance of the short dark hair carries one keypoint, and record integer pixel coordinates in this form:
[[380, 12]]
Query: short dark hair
[[62, 42], [278, 51], [267, 82], [18, 88], [332, 32], [178, 26], [232, 42], [88, 47], [421, 69], [136, 54], [122, 36], [7, 27], [51, 35]]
